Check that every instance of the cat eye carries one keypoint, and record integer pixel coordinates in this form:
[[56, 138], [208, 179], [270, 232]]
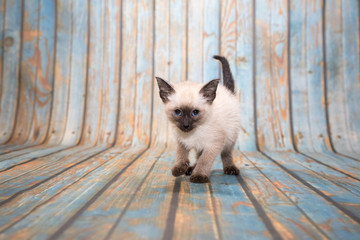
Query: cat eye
[[195, 113], [177, 112]]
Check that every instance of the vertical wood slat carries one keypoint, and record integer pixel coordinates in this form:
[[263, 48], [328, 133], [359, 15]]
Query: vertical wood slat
[[93, 101], [195, 18], [342, 72], [62, 71], [128, 73], [307, 77], [9, 88], [29, 64], [44, 52], [78, 76], [351, 66], [111, 70], [211, 39], [177, 54], [144, 72], [244, 78], [272, 107], [161, 68]]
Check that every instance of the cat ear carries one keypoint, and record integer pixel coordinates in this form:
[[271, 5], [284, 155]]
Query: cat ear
[[209, 90], [165, 89]]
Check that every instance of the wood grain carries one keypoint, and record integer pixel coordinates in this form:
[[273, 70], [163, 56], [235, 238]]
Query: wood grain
[[86, 150]]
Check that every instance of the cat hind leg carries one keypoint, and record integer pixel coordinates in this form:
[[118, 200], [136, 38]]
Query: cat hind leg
[[228, 163]]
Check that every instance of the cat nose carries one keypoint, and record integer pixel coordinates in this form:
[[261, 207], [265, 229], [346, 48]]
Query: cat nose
[[186, 126]]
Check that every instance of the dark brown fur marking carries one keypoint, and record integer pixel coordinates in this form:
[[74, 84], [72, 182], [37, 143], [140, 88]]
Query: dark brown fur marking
[[179, 170], [231, 170], [199, 178], [186, 119], [209, 90], [190, 170], [165, 89]]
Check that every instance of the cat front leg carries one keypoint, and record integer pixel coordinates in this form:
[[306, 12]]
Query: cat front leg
[[228, 163], [202, 170], [181, 161]]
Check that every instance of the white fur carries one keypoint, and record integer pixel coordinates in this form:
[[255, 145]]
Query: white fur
[[221, 119]]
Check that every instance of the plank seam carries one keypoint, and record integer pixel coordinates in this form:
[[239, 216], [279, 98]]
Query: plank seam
[[279, 189], [81, 139], [46, 138], [19, 71], [217, 222], [32, 159], [118, 220], [294, 175], [47, 179], [259, 209], [45, 202], [174, 203], [70, 221]]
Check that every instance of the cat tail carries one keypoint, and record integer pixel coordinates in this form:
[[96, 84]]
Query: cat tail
[[228, 78]]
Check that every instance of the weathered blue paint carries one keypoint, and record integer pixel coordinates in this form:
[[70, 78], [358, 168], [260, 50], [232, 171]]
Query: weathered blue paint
[[10, 52], [79, 61], [88, 148]]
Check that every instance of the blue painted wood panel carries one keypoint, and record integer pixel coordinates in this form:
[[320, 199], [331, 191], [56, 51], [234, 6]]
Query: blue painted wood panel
[[86, 149]]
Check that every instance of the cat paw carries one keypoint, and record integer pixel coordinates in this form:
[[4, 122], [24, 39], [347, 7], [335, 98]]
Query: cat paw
[[231, 170], [189, 170], [199, 178], [179, 170]]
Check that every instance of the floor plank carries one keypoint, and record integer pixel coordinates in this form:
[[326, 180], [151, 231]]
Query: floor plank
[[328, 218]]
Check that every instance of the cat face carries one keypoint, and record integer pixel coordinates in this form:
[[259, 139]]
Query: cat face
[[187, 104]]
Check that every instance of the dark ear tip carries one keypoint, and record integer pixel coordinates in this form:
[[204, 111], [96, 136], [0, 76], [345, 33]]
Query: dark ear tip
[[215, 80]]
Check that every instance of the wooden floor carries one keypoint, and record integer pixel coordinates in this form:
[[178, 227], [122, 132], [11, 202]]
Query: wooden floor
[[67, 192]]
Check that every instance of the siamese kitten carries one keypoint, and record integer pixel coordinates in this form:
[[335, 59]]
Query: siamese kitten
[[205, 118]]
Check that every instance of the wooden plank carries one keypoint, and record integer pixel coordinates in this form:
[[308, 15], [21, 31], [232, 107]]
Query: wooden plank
[[62, 71], [128, 73], [2, 21], [110, 74], [195, 199], [322, 179], [340, 163], [47, 192], [272, 75], [29, 63], [10, 64], [44, 62], [351, 51], [281, 213], [307, 77], [78, 76], [235, 212], [56, 193], [327, 218], [21, 178], [228, 32], [94, 73], [244, 77], [160, 126], [144, 70], [123, 188], [336, 102], [177, 41], [7, 163], [211, 37], [29, 151], [195, 37]]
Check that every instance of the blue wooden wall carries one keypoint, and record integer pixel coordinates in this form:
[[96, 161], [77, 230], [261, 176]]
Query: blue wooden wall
[[78, 97], [82, 71]]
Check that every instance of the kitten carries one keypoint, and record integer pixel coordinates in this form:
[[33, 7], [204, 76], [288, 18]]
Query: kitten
[[205, 118]]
